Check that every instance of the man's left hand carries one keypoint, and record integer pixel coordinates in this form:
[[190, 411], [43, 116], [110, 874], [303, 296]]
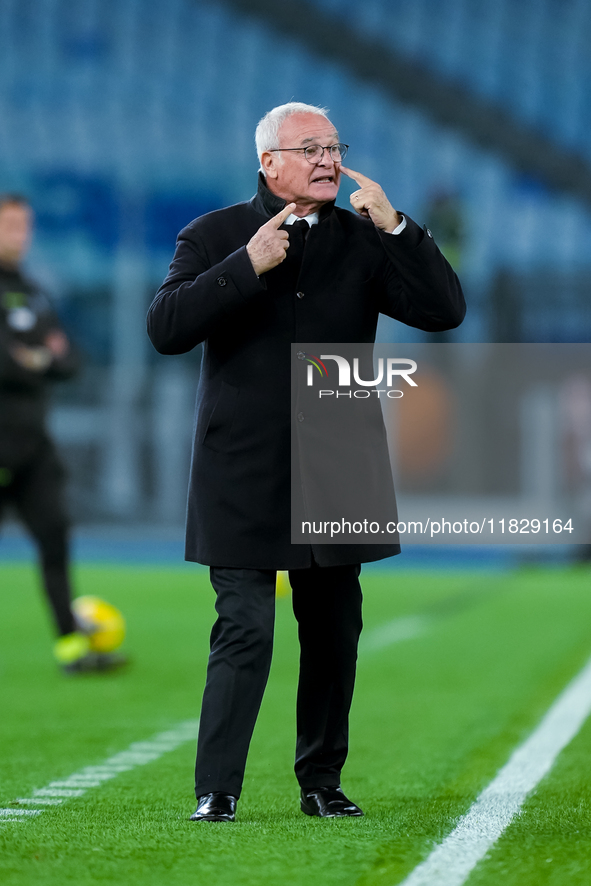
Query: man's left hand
[[371, 202]]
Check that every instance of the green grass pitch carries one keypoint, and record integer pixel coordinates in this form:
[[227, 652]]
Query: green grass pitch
[[434, 718]]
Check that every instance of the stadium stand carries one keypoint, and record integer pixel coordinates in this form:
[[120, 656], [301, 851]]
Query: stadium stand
[[122, 120]]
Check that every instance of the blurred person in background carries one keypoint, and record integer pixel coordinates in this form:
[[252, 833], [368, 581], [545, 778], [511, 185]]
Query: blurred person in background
[[249, 280], [575, 413], [34, 351], [445, 218]]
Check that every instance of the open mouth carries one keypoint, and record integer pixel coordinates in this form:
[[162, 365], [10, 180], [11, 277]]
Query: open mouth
[[323, 180]]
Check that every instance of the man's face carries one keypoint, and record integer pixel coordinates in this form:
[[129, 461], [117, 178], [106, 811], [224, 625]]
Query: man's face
[[291, 176], [15, 232]]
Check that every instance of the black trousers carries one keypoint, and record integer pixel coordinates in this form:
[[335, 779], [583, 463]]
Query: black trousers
[[327, 606], [35, 487]]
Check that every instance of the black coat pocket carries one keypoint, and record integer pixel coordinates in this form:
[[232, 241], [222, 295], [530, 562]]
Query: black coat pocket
[[219, 428]]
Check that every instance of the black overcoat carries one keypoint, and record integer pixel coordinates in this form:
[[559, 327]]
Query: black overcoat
[[329, 289]]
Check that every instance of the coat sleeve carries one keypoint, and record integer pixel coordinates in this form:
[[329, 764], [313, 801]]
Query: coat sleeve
[[197, 295], [68, 364], [65, 367], [421, 288]]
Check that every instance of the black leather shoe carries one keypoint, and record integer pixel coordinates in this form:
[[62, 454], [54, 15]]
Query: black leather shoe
[[327, 802], [215, 807]]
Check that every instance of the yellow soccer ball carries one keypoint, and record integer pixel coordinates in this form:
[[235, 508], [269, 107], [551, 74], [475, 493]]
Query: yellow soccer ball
[[102, 622]]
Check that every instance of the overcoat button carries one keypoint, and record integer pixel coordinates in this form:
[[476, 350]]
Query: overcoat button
[[300, 294], [301, 355], [300, 416], [221, 281], [429, 234]]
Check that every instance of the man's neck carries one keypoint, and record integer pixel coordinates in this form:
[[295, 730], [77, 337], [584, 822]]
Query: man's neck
[[303, 208], [269, 203]]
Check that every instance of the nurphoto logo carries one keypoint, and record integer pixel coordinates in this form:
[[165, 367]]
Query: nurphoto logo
[[389, 370]]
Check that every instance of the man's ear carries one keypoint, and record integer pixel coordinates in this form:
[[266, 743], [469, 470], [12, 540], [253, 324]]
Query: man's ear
[[269, 164]]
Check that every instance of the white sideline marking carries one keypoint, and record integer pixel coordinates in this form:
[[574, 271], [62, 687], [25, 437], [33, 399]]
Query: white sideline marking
[[137, 754], [7, 814], [37, 801], [450, 863], [405, 628]]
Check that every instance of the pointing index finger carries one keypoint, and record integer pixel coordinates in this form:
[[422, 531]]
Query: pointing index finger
[[278, 219], [362, 180]]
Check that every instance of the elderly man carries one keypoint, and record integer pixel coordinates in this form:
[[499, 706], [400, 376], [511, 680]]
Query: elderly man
[[247, 281]]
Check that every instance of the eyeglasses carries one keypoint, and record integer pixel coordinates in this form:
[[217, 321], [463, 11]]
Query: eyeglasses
[[315, 153]]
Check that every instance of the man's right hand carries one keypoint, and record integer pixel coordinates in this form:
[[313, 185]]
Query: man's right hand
[[269, 246]]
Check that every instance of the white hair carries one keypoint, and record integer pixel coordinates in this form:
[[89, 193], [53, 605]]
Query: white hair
[[266, 135]]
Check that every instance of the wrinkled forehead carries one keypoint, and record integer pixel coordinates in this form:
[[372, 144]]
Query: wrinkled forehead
[[303, 129]]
